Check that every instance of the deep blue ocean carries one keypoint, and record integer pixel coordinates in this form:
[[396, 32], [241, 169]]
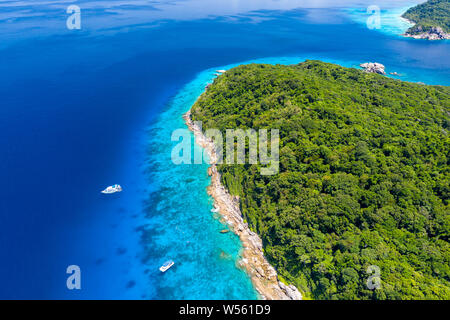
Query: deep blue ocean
[[84, 109]]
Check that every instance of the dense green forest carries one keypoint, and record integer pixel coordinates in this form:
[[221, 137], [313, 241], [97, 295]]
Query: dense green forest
[[364, 176], [433, 13]]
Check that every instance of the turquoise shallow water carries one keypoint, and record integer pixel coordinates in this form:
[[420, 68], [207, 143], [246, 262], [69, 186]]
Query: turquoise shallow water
[[181, 225]]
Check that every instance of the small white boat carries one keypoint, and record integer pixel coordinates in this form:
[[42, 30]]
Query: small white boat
[[221, 71], [166, 266], [112, 189]]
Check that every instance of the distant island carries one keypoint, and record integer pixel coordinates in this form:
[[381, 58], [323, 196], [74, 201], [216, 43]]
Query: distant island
[[360, 206], [431, 20]]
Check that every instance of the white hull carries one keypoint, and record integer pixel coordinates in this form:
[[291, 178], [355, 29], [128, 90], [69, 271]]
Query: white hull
[[112, 189], [165, 268]]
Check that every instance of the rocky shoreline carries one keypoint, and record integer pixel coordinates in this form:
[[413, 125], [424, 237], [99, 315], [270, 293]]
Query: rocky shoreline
[[263, 275], [435, 33], [373, 67]]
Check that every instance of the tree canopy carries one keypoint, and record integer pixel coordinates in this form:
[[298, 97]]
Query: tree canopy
[[364, 176]]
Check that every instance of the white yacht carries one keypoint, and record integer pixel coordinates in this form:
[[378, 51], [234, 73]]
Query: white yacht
[[166, 266], [112, 189]]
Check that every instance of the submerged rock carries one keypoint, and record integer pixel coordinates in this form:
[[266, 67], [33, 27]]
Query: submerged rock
[[225, 256], [121, 251]]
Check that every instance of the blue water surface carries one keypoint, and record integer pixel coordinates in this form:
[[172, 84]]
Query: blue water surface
[[84, 109]]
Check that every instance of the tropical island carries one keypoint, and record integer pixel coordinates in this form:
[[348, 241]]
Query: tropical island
[[363, 181], [431, 20]]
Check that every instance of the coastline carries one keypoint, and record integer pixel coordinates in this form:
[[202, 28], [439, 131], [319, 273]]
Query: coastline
[[263, 276]]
